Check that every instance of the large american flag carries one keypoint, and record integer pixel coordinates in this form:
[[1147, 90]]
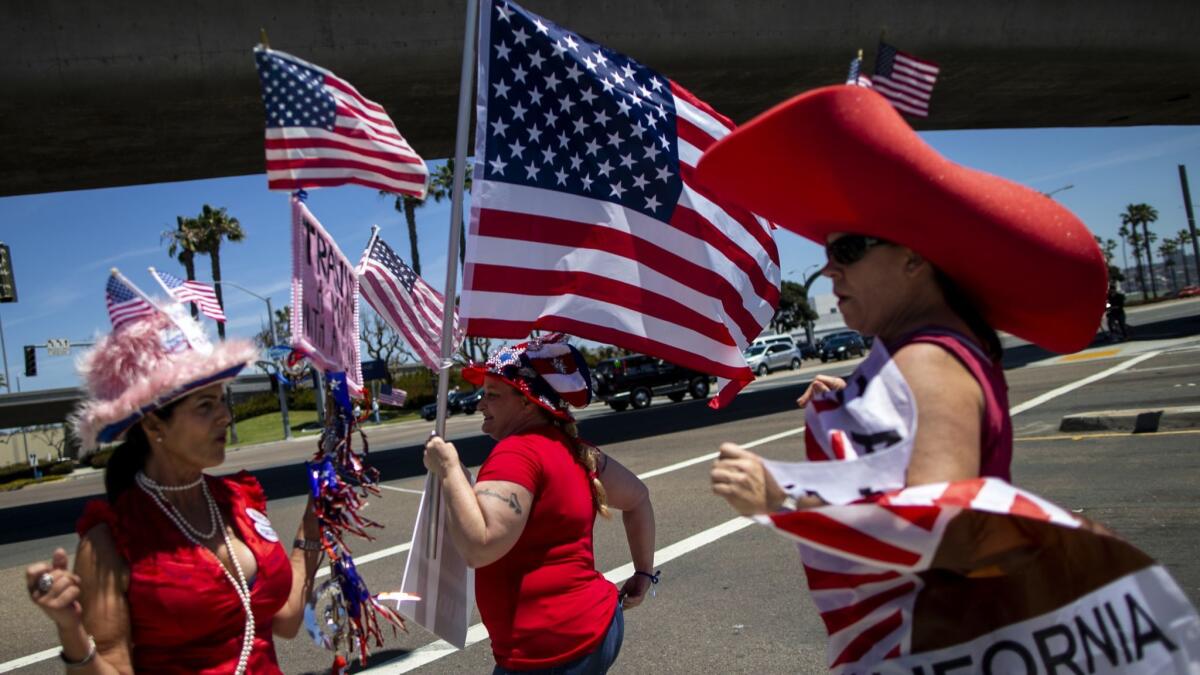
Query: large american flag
[[905, 80], [124, 304], [584, 218], [192, 291], [321, 132], [405, 301]]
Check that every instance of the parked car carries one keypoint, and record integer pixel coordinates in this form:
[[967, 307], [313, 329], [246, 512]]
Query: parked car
[[635, 380], [841, 345], [456, 402], [1188, 292], [764, 358]]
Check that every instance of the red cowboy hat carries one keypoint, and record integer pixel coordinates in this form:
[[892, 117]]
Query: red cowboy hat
[[841, 159]]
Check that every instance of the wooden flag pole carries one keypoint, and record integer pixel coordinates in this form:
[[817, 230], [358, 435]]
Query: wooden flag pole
[[465, 98]]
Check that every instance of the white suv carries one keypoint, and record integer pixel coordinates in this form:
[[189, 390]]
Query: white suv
[[772, 354]]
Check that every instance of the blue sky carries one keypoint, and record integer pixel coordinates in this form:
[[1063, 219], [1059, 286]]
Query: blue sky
[[64, 243]]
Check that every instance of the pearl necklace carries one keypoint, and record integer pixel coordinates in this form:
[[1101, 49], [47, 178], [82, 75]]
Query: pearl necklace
[[239, 582], [156, 490]]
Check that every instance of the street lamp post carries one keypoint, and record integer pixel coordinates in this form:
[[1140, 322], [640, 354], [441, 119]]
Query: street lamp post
[[283, 409]]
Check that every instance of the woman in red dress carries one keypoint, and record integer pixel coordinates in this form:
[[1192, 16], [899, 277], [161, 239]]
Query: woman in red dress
[[526, 525], [177, 571]]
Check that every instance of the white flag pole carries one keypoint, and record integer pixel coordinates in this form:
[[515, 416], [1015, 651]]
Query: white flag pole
[[465, 97]]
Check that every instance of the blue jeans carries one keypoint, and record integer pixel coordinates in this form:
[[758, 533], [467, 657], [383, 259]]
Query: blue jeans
[[596, 663]]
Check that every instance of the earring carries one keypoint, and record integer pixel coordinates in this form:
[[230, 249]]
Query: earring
[[159, 439]]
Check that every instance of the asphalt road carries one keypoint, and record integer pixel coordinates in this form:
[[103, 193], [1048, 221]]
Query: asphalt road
[[732, 597]]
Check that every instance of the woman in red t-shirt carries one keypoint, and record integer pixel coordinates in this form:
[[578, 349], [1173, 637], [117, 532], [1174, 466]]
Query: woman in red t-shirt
[[177, 571], [526, 524]]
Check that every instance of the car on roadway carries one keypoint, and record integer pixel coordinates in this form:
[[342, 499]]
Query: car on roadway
[[1188, 292], [765, 358], [840, 346], [456, 402], [636, 379]]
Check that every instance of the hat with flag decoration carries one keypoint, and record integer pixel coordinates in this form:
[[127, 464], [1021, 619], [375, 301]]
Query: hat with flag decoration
[[547, 370], [156, 354], [841, 159]]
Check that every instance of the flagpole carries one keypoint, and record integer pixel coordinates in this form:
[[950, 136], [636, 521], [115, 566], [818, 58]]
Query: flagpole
[[154, 273], [362, 262], [465, 96], [133, 287]]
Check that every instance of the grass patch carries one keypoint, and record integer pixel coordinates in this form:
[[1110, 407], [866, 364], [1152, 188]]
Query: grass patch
[[269, 427]]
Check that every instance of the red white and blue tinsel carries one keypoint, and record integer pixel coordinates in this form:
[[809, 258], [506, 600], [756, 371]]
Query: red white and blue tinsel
[[342, 611]]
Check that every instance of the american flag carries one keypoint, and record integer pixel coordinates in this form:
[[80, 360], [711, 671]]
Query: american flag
[[192, 291], [124, 303], [405, 301], [391, 396], [856, 76], [584, 218], [321, 132], [905, 80], [982, 576]]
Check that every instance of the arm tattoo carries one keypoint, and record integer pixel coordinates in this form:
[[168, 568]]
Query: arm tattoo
[[511, 499]]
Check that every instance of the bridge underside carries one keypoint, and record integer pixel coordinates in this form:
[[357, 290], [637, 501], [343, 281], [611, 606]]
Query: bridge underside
[[104, 94]]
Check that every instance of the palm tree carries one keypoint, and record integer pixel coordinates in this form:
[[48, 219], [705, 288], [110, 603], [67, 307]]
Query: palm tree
[[213, 227], [1185, 239], [1135, 241], [1143, 214], [1123, 233], [441, 186], [408, 205], [182, 247], [1167, 250]]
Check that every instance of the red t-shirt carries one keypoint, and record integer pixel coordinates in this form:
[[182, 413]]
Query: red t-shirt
[[544, 604], [184, 615]]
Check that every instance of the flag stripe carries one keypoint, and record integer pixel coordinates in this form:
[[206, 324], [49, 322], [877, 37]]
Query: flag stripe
[[350, 139], [868, 639], [819, 579], [287, 180], [821, 530], [327, 162], [838, 619], [623, 250]]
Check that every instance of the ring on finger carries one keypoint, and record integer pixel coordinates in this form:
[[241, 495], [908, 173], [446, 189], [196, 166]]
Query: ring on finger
[[44, 582]]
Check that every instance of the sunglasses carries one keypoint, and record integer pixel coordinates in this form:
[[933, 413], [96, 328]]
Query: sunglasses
[[850, 248]]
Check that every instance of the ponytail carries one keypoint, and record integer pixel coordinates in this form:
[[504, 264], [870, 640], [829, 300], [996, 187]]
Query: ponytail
[[130, 456], [587, 455]]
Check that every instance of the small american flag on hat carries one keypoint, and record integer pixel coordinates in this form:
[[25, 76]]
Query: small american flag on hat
[[192, 291], [124, 303]]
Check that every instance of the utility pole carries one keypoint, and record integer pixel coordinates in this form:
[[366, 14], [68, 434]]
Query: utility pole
[[1187, 205]]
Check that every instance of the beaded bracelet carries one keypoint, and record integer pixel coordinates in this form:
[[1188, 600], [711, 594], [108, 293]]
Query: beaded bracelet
[[81, 662], [652, 577]]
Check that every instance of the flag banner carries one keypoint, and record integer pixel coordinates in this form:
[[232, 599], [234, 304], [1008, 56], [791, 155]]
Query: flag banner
[[324, 299], [124, 303], [904, 80], [408, 304], [584, 217], [389, 395], [198, 292], [856, 76], [980, 576], [437, 573], [322, 133]]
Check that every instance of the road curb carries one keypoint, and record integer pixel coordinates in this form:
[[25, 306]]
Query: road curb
[[1135, 421]]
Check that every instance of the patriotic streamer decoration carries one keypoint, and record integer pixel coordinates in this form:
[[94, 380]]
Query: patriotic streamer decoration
[[343, 613]]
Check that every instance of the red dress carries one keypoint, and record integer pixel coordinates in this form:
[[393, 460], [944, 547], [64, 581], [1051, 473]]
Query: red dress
[[185, 616], [543, 603]]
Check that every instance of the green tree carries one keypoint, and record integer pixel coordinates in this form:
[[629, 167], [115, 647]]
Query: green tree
[[181, 245], [1185, 240], [1167, 250], [793, 308], [215, 226], [1109, 248], [408, 205], [441, 186], [1143, 214], [1135, 241]]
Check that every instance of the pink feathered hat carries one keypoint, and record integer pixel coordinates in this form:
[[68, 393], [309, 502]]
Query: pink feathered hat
[[145, 364]]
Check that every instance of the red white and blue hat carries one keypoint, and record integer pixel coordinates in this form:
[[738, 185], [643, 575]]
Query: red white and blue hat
[[547, 370]]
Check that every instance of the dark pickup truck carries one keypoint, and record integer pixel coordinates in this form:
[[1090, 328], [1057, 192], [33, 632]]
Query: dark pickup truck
[[635, 380]]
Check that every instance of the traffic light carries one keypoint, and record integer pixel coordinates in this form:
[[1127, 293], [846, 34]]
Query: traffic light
[[8, 284], [30, 361]]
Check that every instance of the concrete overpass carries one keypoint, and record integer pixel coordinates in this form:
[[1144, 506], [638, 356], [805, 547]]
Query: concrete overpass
[[108, 94]]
